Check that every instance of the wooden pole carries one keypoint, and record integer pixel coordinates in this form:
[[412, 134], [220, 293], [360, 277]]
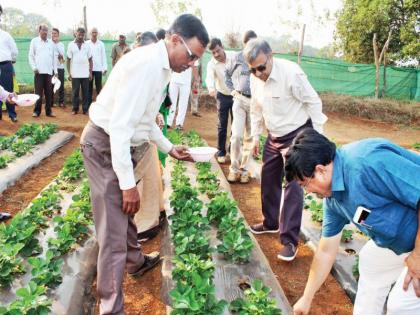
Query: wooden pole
[[302, 38], [85, 21]]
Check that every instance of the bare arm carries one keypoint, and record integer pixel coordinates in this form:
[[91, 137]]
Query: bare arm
[[321, 266], [413, 263]]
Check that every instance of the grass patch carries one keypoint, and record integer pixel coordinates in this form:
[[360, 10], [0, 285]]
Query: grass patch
[[384, 109]]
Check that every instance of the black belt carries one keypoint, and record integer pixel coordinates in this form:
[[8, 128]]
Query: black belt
[[243, 94], [5, 62]]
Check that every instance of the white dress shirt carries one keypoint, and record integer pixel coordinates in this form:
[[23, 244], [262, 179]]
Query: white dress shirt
[[60, 50], [183, 77], [79, 66], [42, 56], [98, 55], [285, 101], [215, 77], [128, 104], [8, 48]]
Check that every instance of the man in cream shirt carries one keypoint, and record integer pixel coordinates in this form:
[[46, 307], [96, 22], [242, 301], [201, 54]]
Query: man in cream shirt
[[215, 81], [122, 118], [284, 99]]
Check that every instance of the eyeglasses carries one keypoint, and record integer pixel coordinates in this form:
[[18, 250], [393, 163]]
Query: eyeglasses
[[190, 53], [260, 68]]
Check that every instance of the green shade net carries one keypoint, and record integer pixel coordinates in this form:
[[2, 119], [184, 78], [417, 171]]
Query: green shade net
[[325, 75]]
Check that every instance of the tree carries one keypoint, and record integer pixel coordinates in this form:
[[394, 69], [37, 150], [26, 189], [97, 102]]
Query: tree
[[359, 20], [165, 11], [19, 24], [232, 39]]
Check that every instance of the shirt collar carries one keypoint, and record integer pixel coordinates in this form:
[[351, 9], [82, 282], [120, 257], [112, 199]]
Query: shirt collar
[[164, 52], [46, 41], [337, 176]]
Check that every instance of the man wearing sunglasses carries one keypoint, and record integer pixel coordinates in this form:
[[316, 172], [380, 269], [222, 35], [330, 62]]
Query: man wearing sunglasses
[[283, 98], [122, 119], [237, 80]]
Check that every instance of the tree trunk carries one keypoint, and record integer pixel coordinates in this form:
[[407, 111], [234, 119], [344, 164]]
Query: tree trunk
[[85, 21], [302, 38], [384, 78], [378, 59]]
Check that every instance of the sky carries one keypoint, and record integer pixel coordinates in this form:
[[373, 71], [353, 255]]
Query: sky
[[266, 17]]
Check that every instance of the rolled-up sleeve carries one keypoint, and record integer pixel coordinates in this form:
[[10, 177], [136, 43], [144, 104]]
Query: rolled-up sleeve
[[303, 91], [130, 106]]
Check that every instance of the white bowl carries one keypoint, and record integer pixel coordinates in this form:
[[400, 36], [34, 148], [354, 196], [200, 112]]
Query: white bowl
[[26, 99], [202, 154]]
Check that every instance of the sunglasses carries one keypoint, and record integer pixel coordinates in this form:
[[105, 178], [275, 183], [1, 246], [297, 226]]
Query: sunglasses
[[191, 56], [260, 68]]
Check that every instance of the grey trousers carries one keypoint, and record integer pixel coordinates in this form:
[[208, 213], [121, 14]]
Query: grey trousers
[[116, 232]]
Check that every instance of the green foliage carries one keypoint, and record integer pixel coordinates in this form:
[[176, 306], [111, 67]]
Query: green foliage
[[4, 160], [263, 140], [315, 207], [10, 264], [255, 302], [347, 236], [21, 147], [73, 168], [360, 19], [355, 268], [416, 146], [219, 207], [46, 271], [175, 136], [32, 301], [186, 265], [236, 245]]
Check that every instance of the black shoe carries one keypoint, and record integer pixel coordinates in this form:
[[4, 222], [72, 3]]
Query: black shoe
[[288, 252], [150, 261], [148, 234], [259, 228], [5, 216], [14, 119]]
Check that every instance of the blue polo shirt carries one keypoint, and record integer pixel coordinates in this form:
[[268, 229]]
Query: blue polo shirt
[[384, 178]]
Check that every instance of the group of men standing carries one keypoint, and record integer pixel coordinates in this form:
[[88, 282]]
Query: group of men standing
[[86, 63]]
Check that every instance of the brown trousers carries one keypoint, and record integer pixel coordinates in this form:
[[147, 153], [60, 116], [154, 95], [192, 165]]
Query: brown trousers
[[116, 232]]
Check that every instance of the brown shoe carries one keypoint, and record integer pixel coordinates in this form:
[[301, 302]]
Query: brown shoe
[[259, 228], [150, 261], [288, 252]]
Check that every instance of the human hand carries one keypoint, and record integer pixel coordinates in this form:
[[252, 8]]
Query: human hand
[[256, 148], [105, 72], [181, 153], [302, 306], [413, 272], [212, 93], [10, 98], [69, 78], [90, 76], [130, 201]]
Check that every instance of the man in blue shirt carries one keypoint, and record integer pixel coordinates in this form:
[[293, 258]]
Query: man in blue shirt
[[374, 184]]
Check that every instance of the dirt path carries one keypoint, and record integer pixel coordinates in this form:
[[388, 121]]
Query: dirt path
[[143, 295]]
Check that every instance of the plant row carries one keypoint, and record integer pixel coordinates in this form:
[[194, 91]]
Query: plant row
[[19, 240], [236, 245], [23, 141]]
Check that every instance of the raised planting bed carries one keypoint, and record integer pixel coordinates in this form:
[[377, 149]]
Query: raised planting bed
[[212, 264], [48, 251], [345, 268], [26, 149]]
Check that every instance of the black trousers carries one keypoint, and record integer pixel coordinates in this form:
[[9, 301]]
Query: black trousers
[[6, 81], [225, 103], [76, 83], [43, 86], [272, 174], [60, 92], [97, 77]]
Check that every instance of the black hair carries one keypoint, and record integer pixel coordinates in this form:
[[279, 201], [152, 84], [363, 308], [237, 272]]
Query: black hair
[[309, 149], [249, 35], [189, 26], [80, 30], [214, 42], [160, 34], [56, 30], [147, 38]]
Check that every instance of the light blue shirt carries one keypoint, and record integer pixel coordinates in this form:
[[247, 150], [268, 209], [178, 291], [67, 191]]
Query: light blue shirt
[[384, 178]]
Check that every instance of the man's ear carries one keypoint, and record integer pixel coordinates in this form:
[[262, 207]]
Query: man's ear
[[321, 169]]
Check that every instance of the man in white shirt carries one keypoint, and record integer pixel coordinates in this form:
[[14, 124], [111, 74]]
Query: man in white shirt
[[42, 58], [100, 65], [8, 54], [284, 99], [60, 52], [122, 118], [216, 85], [79, 67]]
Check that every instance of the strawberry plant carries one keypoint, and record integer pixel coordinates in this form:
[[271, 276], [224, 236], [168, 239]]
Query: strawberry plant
[[255, 302], [316, 211], [6, 142], [416, 146], [185, 265], [46, 271], [21, 147], [10, 264], [219, 207], [32, 302], [73, 168], [236, 246], [175, 136], [4, 160], [347, 236]]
